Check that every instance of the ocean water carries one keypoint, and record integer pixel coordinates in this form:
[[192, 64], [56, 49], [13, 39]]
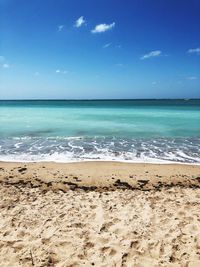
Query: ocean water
[[125, 130]]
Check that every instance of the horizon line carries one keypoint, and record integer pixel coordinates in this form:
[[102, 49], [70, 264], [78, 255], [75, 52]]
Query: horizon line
[[96, 99]]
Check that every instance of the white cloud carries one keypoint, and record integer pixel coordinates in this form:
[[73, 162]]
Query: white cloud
[[6, 66], [3, 63], [103, 27], [194, 51], [79, 22], [62, 71], [192, 78], [60, 27], [154, 53], [107, 45]]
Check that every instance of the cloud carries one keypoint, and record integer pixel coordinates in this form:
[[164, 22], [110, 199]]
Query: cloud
[[154, 53], [79, 22], [194, 51], [60, 27], [103, 27], [107, 45], [6, 66], [62, 71], [192, 78], [3, 63]]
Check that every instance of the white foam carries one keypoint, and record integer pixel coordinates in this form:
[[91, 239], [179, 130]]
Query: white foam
[[73, 149], [69, 158]]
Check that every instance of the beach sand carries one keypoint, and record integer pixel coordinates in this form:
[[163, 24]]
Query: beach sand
[[99, 214]]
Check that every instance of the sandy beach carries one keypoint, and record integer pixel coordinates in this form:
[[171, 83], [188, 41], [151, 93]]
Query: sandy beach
[[99, 214]]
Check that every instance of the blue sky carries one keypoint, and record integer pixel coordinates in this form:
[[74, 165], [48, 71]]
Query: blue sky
[[99, 49]]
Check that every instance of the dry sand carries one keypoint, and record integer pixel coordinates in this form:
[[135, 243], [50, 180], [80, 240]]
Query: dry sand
[[99, 214]]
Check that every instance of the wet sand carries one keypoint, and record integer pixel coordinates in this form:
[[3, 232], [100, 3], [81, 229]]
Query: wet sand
[[99, 214]]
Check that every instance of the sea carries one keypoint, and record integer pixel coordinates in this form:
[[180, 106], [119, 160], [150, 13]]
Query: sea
[[154, 131]]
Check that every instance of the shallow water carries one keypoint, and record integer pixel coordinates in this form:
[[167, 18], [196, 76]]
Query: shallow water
[[135, 130]]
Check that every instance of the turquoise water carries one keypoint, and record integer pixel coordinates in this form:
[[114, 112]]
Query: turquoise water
[[136, 130]]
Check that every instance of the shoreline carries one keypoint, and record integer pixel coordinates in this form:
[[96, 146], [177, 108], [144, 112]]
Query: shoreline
[[96, 175], [160, 162]]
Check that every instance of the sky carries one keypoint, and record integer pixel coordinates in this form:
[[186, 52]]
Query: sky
[[99, 49]]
